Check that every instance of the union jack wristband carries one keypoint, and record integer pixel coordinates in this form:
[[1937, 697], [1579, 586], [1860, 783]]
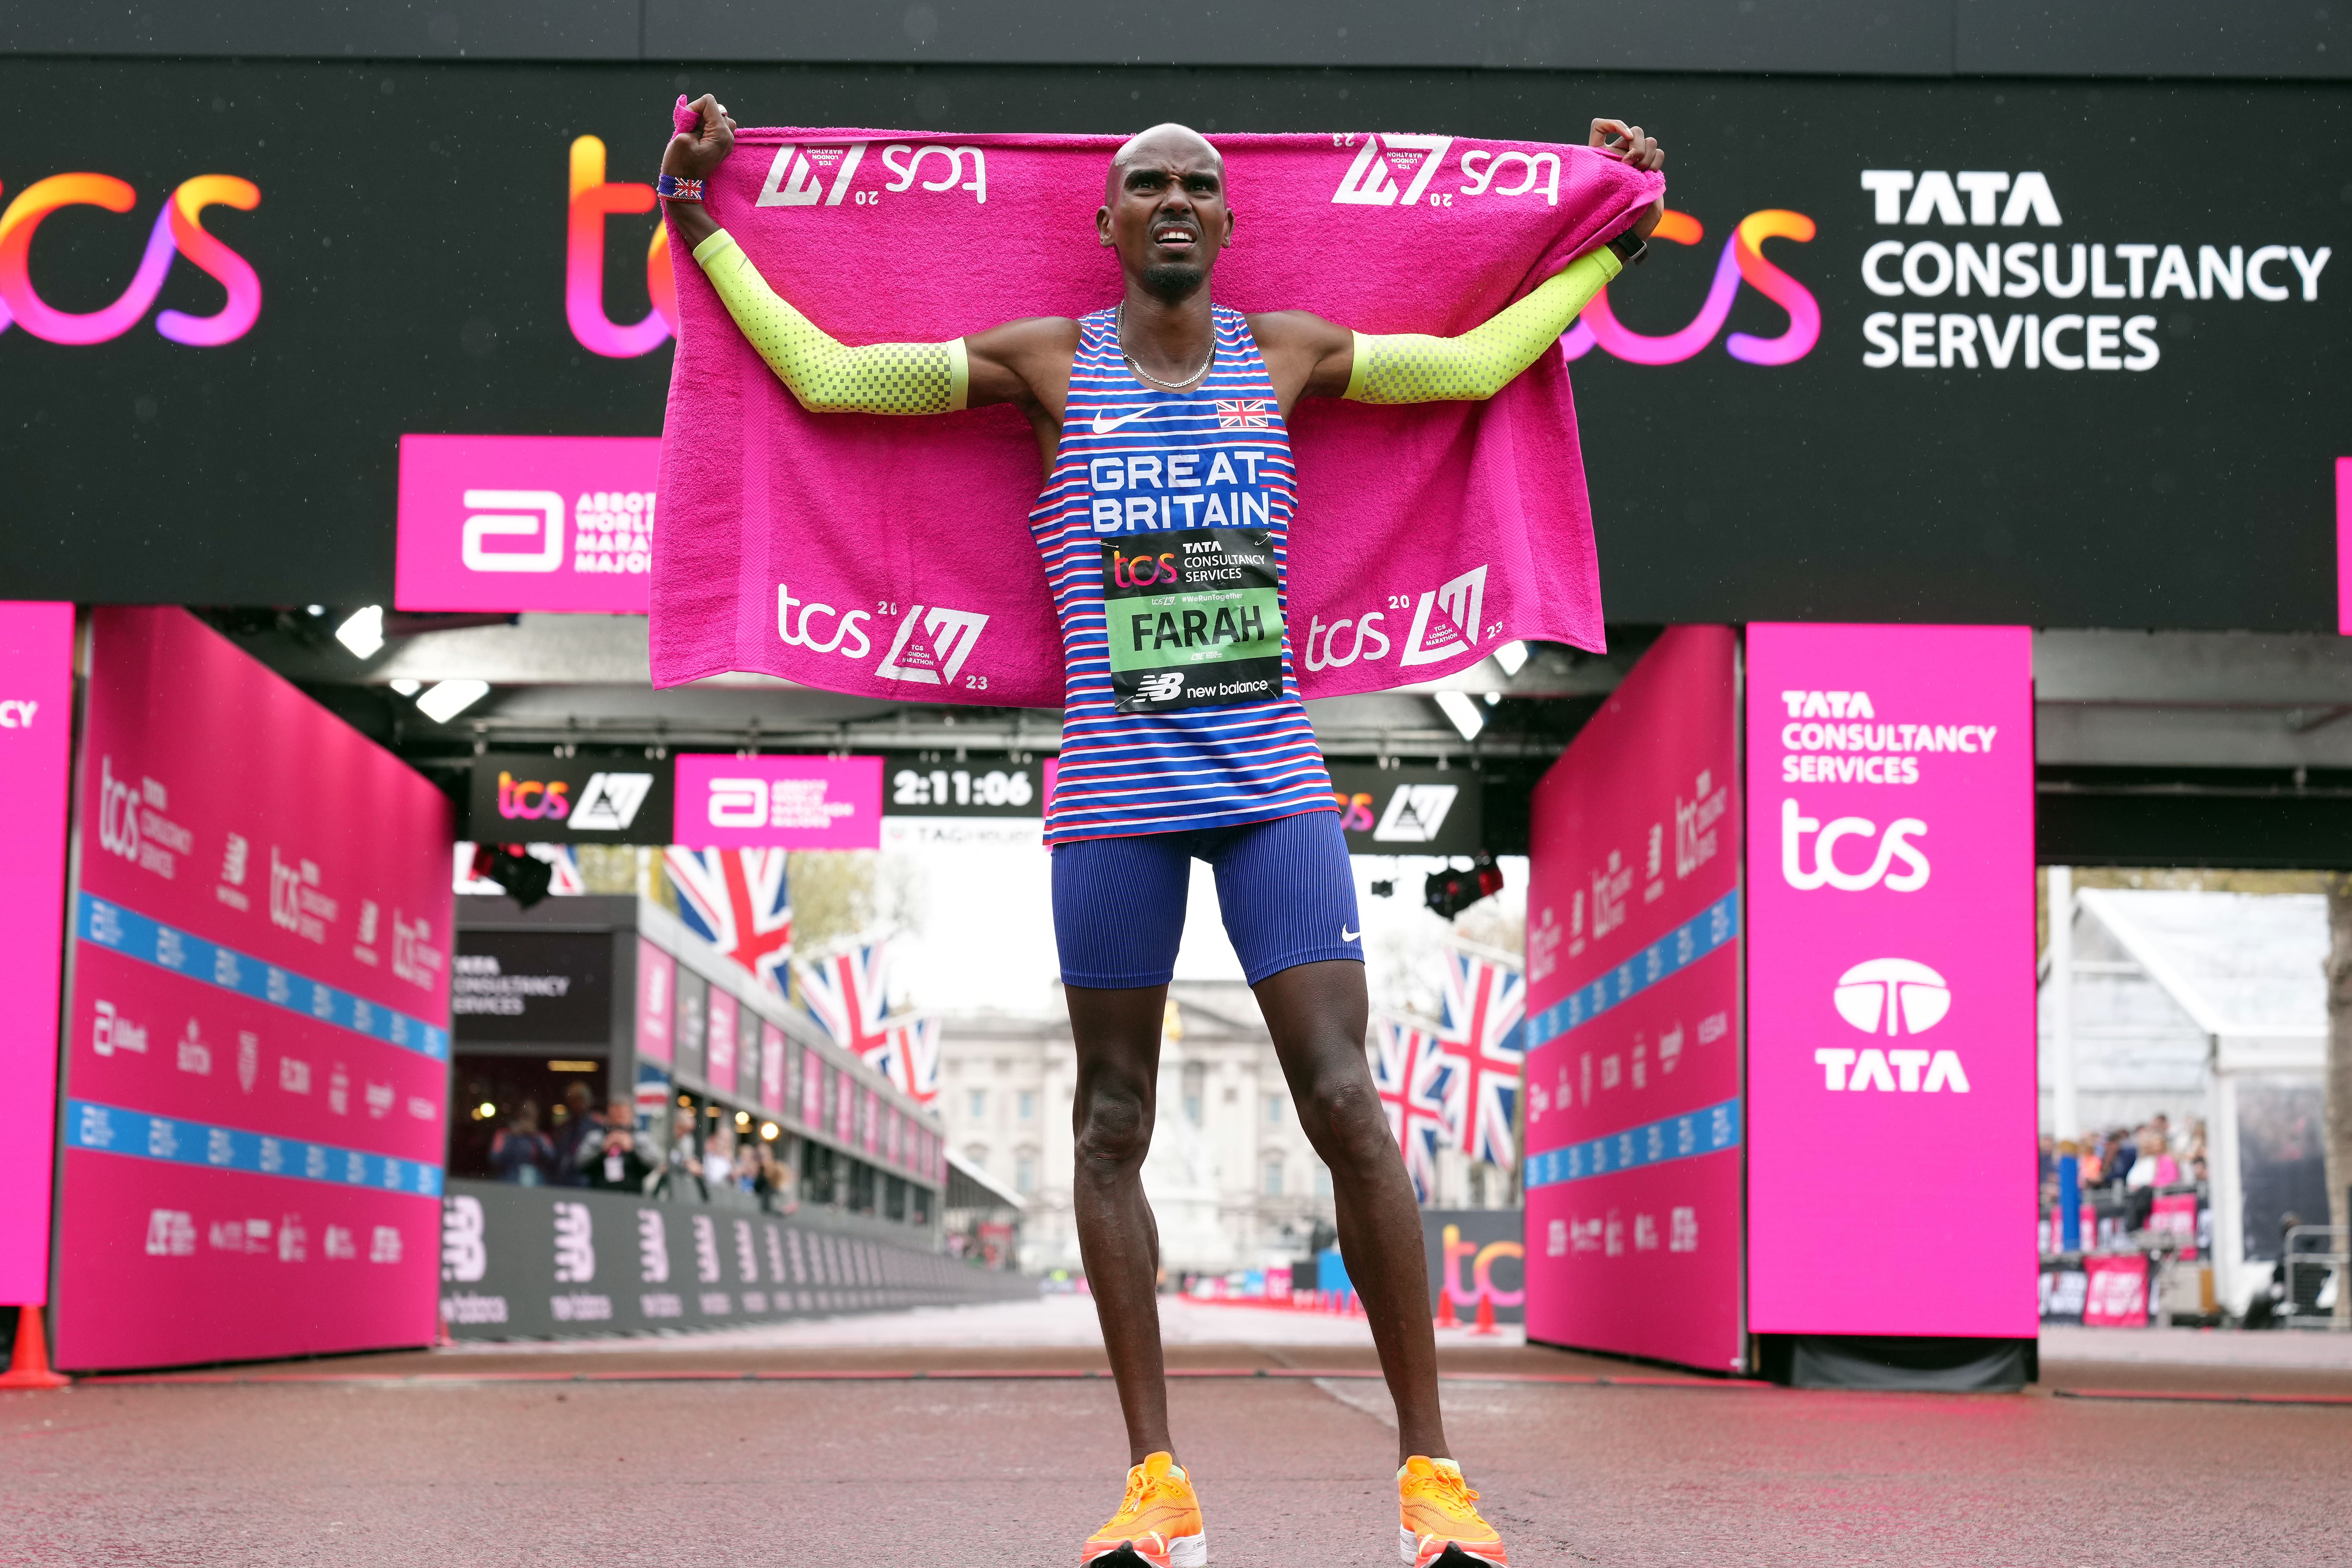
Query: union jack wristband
[[670, 188]]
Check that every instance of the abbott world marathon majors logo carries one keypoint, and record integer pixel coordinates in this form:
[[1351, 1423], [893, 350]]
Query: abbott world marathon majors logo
[[2029, 279], [1905, 998]]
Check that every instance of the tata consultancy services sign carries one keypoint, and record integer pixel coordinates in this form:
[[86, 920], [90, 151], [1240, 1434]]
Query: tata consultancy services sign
[[526, 522], [1890, 980]]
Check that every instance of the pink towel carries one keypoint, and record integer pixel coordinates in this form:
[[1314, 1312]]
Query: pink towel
[[897, 550]]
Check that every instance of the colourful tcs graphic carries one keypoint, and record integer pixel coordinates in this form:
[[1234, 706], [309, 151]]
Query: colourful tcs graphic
[[593, 200], [179, 228], [1743, 257]]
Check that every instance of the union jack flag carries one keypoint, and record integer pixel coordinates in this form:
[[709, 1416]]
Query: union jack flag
[[1419, 1082], [1245, 414], [1485, 996], [736, 899], [849, 991]]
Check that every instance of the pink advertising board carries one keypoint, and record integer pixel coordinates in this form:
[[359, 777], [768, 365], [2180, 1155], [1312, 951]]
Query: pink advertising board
[[526, 522], [727, 802], [2344, 546], [36, 761], [1634, 1070], [718, 1045], [257, 1041], [1891, 1186], [773, 1047]]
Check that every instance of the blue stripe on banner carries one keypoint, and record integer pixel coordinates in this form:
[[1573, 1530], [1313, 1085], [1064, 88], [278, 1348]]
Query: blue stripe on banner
[[134, 935], [1677, 950], [111, 1129], [1708, 1130]]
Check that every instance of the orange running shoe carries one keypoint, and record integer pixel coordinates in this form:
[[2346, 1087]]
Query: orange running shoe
[[1160, 1520], [1437, 1509]]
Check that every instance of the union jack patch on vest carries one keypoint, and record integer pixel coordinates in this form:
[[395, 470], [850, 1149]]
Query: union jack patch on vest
[[1245, 413]]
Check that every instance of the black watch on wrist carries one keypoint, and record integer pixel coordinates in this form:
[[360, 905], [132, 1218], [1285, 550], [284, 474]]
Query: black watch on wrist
[[1632, 249]]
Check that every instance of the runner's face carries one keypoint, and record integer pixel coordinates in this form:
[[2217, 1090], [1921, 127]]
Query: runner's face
[[1165, 211]]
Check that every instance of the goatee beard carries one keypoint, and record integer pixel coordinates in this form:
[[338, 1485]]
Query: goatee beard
[[1172, 281]]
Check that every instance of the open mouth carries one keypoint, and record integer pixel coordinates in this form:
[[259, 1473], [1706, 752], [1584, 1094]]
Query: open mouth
[[1174, 236]]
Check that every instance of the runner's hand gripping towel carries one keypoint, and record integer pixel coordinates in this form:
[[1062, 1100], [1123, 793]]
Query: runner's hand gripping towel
[[891, 556]]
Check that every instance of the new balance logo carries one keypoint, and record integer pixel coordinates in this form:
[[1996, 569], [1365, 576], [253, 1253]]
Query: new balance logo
[[936, 657], [1445, 623], [1385, 161], [1162, 687]]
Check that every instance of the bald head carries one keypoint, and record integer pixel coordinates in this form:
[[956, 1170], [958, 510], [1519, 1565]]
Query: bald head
[[1160, 146]]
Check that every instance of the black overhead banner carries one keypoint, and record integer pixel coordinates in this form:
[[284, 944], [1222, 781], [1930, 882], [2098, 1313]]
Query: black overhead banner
[[2046, 352], [531, 987], [1408, 811], [525, 799]]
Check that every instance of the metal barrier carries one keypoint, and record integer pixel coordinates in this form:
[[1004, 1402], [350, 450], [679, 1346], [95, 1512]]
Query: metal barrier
[[2306, 1273]]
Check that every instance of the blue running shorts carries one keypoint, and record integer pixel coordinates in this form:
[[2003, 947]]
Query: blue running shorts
[[1284, 886]]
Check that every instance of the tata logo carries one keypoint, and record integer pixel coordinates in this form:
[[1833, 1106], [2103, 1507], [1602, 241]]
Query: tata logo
[[1890, 1072], [937, 655], [1894, 846], [1911, 997], [1416, 813]]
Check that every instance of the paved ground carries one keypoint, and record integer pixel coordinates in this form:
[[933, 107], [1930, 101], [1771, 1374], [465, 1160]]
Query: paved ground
[[447, 1461]]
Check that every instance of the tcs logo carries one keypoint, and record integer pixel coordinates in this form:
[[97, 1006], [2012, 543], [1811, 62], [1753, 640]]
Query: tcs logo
[[178, 230], [1742, 260]]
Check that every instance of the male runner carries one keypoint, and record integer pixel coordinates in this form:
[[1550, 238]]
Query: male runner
[[1168, 757]]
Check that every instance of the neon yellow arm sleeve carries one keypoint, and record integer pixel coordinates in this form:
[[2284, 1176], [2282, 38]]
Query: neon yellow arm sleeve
[[827, 376], [1413, 367]]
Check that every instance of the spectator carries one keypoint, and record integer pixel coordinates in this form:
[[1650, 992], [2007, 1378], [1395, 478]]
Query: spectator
[[684, 1169], [2155, 1167], [616, 1165], [521, 1153], [777, 1189], [578, 1136], [718, 1158]]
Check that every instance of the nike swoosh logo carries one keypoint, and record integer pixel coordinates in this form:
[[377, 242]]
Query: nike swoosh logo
[[1105, 426], [1347, 935]]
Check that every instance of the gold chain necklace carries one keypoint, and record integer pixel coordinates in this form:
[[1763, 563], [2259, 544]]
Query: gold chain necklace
[[1163, 386]]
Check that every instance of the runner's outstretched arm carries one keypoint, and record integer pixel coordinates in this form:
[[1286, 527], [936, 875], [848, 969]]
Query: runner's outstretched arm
[[1328, 360], [831, 377], [1414, 367]]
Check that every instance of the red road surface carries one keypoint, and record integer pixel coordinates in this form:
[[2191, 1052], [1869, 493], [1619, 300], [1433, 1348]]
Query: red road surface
[[396, 1468]]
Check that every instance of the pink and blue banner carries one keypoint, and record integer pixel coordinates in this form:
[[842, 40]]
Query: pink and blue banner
[[256, 1041], [1892, 1184], [526, 522], [1634, 1112], [35, 763]]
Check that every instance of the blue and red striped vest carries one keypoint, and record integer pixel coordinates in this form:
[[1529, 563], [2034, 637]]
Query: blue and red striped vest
[[1164, 527]]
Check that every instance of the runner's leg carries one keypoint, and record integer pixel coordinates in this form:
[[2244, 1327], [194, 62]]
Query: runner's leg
[[1119, 915], [1316, 1014], [1289, 902]]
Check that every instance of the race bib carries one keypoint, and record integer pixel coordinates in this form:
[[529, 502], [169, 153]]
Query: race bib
[[1194, 617]]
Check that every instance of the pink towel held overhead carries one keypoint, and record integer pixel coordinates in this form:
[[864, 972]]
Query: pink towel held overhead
[[891, 557]]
